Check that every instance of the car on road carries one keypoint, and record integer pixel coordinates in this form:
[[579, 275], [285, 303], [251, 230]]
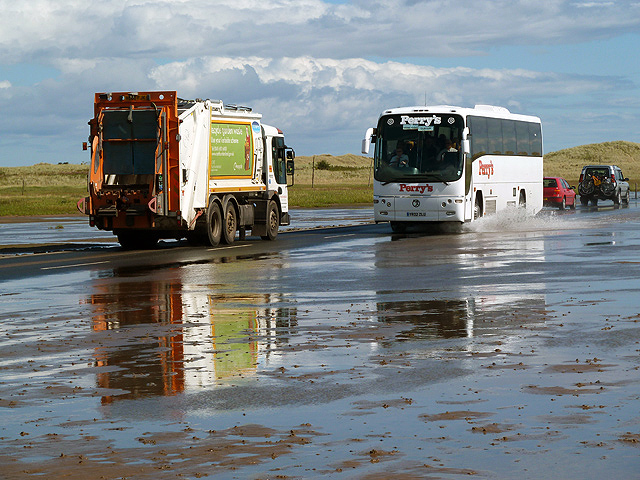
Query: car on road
[[603, 182], [558, 193]]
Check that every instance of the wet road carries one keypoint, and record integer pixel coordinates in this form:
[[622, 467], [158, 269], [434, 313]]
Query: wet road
[[509, 350]]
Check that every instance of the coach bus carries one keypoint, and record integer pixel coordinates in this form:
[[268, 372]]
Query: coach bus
[[452, 164]]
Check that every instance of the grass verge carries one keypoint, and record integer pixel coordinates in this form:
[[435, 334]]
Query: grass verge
[[320, 180], [56, 200], [305, 196]]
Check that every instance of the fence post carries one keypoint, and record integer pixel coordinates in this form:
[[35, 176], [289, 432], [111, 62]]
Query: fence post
[[313, 170]]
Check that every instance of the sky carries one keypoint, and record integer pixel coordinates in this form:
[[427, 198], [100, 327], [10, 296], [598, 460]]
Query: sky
[[322, 71]]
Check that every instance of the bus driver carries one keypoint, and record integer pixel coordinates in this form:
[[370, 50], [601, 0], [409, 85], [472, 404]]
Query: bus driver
[[400, 159]]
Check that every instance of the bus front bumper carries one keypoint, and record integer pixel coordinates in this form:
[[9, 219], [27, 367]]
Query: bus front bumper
[[418, 209]]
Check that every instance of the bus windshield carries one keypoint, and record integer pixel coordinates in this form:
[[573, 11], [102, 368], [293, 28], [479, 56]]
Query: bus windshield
[[418, 148]]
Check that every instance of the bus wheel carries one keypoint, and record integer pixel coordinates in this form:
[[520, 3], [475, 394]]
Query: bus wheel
[[522, 201], [398, 227], [214, 223], [477, 208], [273, 221], [230, 224]]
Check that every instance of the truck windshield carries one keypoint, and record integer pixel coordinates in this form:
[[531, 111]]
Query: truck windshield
[[418, 147]]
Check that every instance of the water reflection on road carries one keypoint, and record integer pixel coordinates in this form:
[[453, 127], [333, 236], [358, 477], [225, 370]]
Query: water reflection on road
[[497, 352]]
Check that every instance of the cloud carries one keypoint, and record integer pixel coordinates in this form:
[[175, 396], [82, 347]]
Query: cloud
[[175, 29], [320, 71], [311, 99]]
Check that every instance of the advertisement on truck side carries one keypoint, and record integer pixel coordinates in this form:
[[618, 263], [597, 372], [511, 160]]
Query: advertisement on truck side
[[231, 154]]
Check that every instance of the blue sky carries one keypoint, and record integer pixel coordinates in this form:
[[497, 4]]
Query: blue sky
[[322, 71]]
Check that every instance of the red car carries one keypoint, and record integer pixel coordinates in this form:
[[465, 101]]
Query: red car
[[558, 193]]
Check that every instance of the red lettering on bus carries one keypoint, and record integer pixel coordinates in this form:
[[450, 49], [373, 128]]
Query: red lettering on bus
[[485, 168], [415, 188]]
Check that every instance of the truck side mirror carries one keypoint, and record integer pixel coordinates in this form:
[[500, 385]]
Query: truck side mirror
[[290, 167]]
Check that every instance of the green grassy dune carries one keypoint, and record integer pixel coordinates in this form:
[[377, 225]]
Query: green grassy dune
[[320, 180]]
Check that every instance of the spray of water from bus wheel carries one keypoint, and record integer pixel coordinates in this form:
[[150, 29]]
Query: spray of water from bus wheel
[[444, 166]]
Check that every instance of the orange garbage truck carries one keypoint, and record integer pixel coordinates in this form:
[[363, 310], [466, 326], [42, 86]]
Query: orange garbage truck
[[164, 167]]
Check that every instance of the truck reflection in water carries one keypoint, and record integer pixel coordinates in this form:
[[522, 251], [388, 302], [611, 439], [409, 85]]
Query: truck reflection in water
[[171, 338]]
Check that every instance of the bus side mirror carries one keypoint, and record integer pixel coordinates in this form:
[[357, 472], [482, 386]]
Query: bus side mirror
[[466, 147], [369, 136]]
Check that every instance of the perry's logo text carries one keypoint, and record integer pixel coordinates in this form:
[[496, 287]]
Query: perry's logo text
[[415, 188], [407, 120], [485, 169]]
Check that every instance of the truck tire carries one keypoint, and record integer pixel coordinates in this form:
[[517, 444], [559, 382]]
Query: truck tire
[[229, 224], [273, 221], [214, 223]]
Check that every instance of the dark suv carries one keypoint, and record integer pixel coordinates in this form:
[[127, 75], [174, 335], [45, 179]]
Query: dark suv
[[603, 182]]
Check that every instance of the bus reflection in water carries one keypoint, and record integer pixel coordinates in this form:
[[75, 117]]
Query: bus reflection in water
[[173, 338], [458, 318]]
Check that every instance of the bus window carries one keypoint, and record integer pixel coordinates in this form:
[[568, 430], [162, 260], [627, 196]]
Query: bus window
[[535, 136], [479, 136], [494, 129], [424, 140], [509, 137], [523, 143]]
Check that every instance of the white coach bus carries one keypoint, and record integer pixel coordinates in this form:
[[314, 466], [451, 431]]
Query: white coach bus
[[451, 164]]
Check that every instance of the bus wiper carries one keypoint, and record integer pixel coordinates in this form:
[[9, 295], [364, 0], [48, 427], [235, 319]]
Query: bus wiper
[[417, 178], [433, 176]]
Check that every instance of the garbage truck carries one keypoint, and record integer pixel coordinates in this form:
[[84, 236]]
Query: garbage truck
[[167, 168]]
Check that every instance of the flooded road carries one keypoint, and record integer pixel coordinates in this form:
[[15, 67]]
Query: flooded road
[[509, 350]]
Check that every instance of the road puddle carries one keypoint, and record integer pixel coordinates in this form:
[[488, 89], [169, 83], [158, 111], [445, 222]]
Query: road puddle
[[426, 355]]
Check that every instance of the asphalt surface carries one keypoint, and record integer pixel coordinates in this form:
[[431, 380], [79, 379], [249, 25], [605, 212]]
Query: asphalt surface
[[506, 350]]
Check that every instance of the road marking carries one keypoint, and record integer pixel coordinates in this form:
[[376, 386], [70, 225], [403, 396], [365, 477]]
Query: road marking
[[338, 236], [225, 248], [74, 265]]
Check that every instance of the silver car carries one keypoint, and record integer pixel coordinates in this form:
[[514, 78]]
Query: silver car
[[603, 182]]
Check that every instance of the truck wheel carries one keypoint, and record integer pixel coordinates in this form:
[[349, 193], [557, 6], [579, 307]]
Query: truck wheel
[[214, 223], [230, 224], [273, 221], [626, 198]]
